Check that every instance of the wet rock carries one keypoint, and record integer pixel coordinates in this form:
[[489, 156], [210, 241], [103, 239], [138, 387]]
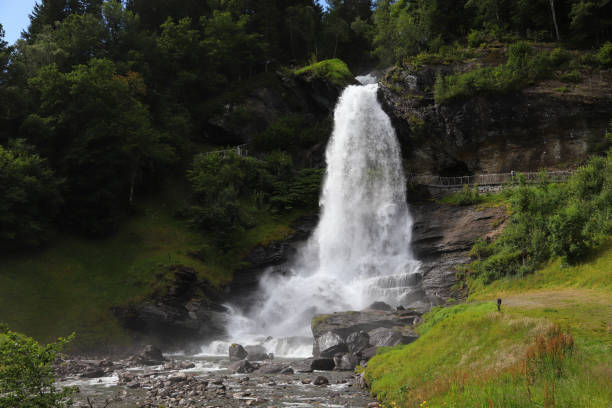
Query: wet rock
[[286, 370], [358, 341], [323, 364], [306, 381], [237, 352], [380, 306], [256, 353], [274, 368], [332, 351], [383, 337], [347, 362], [369, 353], [327, 342], [93, 372], [320, 380], [242, 367], [149, 355]]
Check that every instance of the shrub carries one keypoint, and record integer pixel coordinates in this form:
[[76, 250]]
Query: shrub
[[521, 69], [476, 37], [604, 56], [26, 376], [466, 196], [563, 220]]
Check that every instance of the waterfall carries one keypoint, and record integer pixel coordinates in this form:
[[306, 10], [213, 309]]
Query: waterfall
[[360, 250]]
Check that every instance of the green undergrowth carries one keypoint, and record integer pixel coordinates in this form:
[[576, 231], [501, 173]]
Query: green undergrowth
[[550, 346], [71, 284], [593, 273], [332, 70]]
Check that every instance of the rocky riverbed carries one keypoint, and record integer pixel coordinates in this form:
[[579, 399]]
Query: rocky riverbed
[[209, 382]]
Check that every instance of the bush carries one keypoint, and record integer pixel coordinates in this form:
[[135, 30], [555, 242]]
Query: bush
[[467, 196], [292, 132], [604, 56], [29, 197], [550, 220], [521, 69], [26, 376], [476, 37]]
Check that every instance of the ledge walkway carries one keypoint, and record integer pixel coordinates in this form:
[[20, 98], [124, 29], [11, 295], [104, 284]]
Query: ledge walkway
[[487, 179]]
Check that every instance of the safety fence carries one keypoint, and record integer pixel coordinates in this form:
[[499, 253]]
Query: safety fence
[[489, 179]]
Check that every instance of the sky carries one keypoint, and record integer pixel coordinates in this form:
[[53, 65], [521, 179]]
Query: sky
[[14, 17]]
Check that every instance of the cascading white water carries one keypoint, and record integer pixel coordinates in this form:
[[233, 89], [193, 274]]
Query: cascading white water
[[360, 250]]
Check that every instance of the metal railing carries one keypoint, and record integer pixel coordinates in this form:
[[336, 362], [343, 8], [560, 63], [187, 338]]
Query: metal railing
[[240, 150], [488, 179]]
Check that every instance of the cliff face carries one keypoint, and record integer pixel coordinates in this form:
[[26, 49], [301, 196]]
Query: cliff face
[[547, 125], [442, 237]]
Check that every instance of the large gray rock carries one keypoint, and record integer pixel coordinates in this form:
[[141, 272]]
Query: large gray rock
[[310, 364], [256, 353], [347, 362], [237, 352], [358, 341], [150, 355]]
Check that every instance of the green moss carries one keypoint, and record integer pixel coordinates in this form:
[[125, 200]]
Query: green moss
[[332, 70], [318, 320]]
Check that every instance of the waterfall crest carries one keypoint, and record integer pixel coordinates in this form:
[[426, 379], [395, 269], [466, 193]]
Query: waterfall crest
[[360, 249]]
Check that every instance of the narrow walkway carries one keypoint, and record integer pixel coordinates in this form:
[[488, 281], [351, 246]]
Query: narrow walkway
[[488, 179]]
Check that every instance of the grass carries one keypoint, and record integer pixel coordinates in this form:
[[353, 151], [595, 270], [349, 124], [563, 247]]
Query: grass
[[471, 355], [332, 70], [70, 285]]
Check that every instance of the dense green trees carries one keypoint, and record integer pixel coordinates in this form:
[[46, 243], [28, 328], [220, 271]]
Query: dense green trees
[[29, 197], [98, 136], [108, 93]]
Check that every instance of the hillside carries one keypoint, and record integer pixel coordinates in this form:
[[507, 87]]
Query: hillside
[[471, 354]]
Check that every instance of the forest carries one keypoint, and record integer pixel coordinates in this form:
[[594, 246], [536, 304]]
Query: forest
[[100, 100]]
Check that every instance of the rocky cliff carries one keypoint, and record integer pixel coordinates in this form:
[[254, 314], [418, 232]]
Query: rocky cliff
[[548, 125]]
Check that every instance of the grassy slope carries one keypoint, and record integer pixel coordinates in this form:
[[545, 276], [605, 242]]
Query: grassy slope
[[471, 355], [72, 283]]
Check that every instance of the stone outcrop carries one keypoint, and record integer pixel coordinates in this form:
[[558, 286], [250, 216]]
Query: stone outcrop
[[348, 338], [442, 238], [188, 310], [524, 131]]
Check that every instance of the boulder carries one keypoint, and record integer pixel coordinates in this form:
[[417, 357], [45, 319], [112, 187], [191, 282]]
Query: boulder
[[93, 372], [241, 367], [149, 356], [369, 353], [237, 352], [329, 343], [347, 362], [310, 364], [323, 364], [256, 353], [384, 337], [358, 341], [380, 306], [332, 351], [320, 380]]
